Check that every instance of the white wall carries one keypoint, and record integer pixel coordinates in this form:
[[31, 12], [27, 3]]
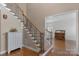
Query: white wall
[[6, 25], [38, 11], [66, 21]]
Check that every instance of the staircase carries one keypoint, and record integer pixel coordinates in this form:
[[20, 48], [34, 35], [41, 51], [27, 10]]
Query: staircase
[[30, 32]]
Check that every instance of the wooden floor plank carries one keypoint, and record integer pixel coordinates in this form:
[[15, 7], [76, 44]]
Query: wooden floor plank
[[23, 52]]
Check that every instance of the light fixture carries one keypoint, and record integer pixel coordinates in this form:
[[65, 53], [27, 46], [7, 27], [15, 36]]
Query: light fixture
[[4, 16], [8, 9]]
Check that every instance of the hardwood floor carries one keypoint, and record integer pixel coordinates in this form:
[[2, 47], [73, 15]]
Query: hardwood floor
[[60, 44], [61, 53], [28, 52], [60, 50], [23, 52]]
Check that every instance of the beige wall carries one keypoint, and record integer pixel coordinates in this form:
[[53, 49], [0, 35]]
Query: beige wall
[[6, 25], [37, 12]]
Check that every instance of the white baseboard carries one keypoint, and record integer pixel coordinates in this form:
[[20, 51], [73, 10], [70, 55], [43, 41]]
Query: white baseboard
[[3, 52], [31, 48]]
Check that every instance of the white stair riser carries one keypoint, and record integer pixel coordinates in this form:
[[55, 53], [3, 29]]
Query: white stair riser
[[35, 41], [27, 30], [37, 45], [24, 27], [30, 35]]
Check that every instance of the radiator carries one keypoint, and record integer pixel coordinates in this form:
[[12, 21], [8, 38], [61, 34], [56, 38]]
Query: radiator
[[14, 40]]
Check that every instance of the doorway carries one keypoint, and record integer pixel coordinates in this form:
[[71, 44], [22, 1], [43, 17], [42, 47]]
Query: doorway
[[64, 31], [59, 39]]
